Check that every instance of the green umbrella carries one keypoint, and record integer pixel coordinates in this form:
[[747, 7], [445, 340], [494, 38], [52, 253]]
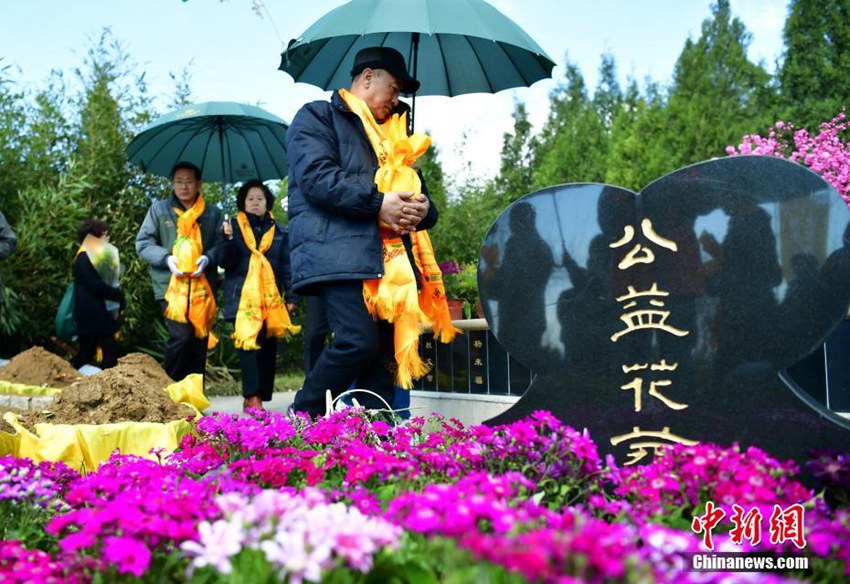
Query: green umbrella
[[229, 142], [451, 46]]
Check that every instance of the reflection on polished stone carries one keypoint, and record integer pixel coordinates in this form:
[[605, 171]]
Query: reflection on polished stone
[[666, 316]]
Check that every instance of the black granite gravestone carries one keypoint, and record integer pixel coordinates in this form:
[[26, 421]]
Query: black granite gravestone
[[665, 316], [825, 373]]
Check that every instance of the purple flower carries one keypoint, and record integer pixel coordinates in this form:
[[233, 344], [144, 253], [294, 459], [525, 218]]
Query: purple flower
[[830, 467]]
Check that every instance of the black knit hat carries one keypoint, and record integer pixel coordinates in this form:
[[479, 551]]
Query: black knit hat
[[388, 59]]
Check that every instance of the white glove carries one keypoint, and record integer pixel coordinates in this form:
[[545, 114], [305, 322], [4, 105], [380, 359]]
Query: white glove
[[172, 265], [202, 263]]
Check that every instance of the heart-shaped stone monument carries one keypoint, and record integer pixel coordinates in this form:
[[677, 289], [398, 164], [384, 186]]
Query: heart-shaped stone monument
[[665, 316]]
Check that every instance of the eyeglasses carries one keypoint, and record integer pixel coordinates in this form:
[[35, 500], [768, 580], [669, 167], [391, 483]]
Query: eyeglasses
[[184, 183]]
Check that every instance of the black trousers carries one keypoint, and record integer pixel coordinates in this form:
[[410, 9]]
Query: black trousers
[[88, 348], [316, 329], [258, 367], [184, 353], [361, 351]]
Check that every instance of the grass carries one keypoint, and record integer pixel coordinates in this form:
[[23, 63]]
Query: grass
[[282, 382]]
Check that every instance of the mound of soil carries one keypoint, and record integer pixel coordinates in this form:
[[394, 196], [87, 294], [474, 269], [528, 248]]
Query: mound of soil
[[147, 366], [132, 391], [39, 367]]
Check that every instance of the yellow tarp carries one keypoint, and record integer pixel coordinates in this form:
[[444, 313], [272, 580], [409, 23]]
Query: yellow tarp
[[85, 446], [189, 391], [9, 388]]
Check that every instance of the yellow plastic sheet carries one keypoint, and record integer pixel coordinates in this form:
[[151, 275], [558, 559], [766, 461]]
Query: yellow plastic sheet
[[85, 446], [189, 391], [10, 388], [9, 444]]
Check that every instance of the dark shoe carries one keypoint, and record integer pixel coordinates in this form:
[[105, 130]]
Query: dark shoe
[[252, 402]]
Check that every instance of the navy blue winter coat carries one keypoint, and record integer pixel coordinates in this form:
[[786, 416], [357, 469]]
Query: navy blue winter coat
[[333, 200], [235, 258], [90, 295]]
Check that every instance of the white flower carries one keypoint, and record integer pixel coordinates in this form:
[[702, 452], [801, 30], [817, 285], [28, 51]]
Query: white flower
[[289, 551], [218, 542]]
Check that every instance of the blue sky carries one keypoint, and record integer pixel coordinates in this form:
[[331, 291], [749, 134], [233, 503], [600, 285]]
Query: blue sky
[[233, 53]]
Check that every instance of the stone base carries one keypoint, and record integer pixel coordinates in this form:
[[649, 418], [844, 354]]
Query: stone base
[[470, 409], [23, 402]]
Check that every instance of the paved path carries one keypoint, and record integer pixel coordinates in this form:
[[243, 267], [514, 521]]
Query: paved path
[[232, 404], [469, 409]]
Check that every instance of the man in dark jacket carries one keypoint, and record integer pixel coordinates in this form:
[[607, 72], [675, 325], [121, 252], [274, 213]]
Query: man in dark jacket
[[185, 353], [8, 245], [334, 209]]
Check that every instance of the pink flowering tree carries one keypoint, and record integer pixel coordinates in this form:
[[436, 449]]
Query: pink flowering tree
[[826, 153]]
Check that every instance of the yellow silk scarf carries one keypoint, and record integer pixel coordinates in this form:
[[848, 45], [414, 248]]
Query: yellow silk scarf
[[395, 297], [260, 299], [191, 299]]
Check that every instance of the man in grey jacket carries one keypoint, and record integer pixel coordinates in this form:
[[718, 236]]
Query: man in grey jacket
[[8, 245], [185, 352]]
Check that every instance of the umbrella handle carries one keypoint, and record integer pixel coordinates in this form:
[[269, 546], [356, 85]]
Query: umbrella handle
[[415, 40]]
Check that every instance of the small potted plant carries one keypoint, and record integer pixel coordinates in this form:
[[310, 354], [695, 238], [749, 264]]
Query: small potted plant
[[461, 284], [450, 271]]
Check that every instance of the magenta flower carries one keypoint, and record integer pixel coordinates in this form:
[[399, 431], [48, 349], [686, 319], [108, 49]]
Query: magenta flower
[[686, 477], [827, 153], [18, 565], [77, 541], [128, 555]]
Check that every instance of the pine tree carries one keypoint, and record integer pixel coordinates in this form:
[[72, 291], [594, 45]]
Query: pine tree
[[572, 144], [815, 73], [515, 178], [608, 96], [12, 120], [637, 156], [102, 134], [717, 93]]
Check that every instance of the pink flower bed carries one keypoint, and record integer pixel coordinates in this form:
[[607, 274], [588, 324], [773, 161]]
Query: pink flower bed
[[346, 499]]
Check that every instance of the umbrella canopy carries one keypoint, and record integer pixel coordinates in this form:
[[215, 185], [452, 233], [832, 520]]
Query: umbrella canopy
[[229, 142], [451, 46]]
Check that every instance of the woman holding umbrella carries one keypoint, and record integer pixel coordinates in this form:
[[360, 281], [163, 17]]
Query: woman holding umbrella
[[256, 266]]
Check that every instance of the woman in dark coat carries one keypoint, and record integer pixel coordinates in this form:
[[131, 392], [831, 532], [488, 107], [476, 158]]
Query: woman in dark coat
[[96, 322], [255, 202]]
